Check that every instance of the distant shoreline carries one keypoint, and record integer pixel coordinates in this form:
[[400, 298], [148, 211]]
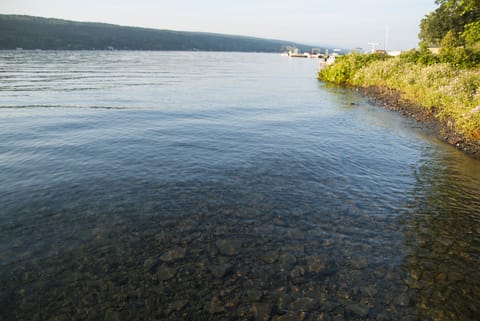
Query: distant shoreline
[[31, 33], [138, 50]]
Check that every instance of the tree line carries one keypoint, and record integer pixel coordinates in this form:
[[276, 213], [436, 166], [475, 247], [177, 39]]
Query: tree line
[[459, 20], [27, 32], [454, 28]]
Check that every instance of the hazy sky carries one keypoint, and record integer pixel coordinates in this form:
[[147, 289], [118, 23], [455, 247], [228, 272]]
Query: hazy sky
[[340, 23]]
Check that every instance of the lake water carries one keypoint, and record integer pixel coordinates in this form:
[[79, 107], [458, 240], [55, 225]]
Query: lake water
[[223, 186]]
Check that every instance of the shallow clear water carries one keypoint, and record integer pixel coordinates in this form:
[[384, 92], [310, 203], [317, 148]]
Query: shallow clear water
[[223, 186]]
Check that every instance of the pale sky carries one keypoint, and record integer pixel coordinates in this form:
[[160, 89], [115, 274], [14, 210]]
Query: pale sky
[[338, 23]]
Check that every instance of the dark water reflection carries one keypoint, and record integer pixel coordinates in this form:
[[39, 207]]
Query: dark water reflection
[[443, 233], [180, 186]]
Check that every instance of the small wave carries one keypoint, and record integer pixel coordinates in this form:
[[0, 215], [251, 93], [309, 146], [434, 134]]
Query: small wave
[[66, 107]]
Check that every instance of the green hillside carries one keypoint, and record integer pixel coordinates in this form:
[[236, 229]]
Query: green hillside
[[27, 32]]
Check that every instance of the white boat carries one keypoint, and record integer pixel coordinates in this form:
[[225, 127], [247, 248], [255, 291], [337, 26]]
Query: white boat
[[295, 52]]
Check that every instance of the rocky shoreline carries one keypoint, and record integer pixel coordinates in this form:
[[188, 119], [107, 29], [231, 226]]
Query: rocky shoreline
[[392, 99]]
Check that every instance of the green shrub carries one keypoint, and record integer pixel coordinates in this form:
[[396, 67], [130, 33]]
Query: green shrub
[[471, 35], [346, 66], [461, 57], [410, 56], [424, 57]]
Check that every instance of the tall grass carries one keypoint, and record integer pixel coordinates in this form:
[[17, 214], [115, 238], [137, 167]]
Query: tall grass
[[452, 92]]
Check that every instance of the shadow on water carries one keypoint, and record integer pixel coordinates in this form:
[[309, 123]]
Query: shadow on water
[[442, 231]]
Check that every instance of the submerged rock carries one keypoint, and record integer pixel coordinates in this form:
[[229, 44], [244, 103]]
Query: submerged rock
[[165, 273], [177, 305], [220, 271], [229, 247], [174, 254], [304, 304], [111, 315], [402, 300], [287, 260], [315, 264], [290, 316], [270, 257], [358, 309], [253, 295], [262, 311], [359, 263], [216, 306], [297, 272], [150, 263]]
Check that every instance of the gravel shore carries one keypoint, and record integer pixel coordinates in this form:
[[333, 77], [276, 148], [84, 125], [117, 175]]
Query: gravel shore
[[392, 100]]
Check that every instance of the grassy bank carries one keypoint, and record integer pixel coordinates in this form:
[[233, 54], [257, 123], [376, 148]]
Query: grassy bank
[[450, 92]]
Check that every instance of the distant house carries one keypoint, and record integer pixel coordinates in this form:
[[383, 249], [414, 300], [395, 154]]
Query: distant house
[[435, 51]]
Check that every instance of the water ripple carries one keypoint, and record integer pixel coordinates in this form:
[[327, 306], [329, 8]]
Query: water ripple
[[166, 186]]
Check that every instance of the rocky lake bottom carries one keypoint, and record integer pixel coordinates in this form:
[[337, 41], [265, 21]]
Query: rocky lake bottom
[[235, 256]]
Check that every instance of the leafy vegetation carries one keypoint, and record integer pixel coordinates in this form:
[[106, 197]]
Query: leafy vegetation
[[346, 67], [53, 34], [459, 57], [459, 17]]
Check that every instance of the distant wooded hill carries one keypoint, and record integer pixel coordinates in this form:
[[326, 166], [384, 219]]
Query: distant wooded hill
[[27, 32]]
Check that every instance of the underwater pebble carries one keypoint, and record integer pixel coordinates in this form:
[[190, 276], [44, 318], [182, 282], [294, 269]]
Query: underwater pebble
[[221, 271], [304, 304], [286, 261], [165, 273], [358, 309], [253, 295], [315, 264], [297, 272], [229, 247], [270, 257], [150, 263], [177, 305], [177, 253], [216, 306], [262, 311], [290, 316]]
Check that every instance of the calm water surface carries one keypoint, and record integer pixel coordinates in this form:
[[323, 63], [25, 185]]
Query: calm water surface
[[223, 186]]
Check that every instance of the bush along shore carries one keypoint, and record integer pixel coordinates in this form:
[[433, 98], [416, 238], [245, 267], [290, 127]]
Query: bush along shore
[[442, 91]]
